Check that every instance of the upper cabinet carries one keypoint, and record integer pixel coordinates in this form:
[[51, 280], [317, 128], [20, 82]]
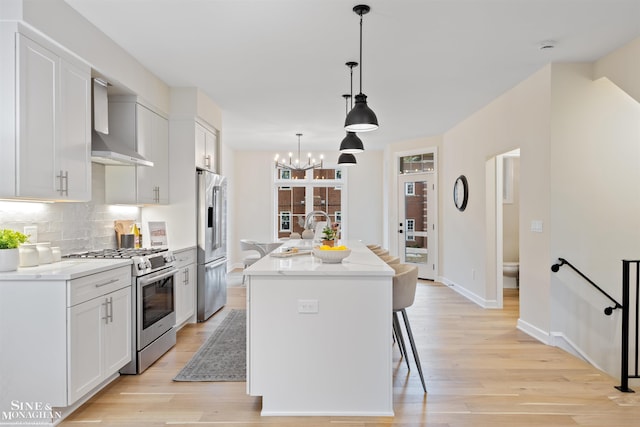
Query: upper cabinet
[[46, 103], [206, 148], [147, 133]]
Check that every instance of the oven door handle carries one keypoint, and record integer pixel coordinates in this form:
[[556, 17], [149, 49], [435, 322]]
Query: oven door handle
[[155, 277]]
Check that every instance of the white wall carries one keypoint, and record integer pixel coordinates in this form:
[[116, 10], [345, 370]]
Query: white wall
[[595, 206], [517, 119], [254, 201]]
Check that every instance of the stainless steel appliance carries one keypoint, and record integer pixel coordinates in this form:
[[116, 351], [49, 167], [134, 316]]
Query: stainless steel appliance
[[153, 306], [212, 244]]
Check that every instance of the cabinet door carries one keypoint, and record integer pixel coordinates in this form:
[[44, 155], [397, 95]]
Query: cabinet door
[[85, 362], [201, 148], [152, 141], [37, 100], [117, 333], [73, 160], [212, 151], [185, 294], [206, 148]]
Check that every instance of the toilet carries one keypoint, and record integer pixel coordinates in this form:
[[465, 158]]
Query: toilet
[[511, 269]]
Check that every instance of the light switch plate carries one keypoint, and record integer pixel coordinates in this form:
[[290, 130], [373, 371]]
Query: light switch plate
[[536, 226], [308, 306]]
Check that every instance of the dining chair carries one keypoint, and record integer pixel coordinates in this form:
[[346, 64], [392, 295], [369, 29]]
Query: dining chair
[[405, 280], [254, 253]]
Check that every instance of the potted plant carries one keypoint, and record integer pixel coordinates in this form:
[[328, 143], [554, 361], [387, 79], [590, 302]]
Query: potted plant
[[329, 236], [9, 242]]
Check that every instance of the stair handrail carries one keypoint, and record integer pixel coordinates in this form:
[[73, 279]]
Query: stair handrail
[[607, 310], [624, 362]]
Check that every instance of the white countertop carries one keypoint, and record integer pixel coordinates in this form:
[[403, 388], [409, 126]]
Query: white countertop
[[361, 262], [66, 269]]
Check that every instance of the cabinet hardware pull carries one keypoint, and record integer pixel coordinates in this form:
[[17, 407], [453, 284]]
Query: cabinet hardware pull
[[207, 160], [66, 183], [60, 188], [108, 282], [110, 315], [106, 311]]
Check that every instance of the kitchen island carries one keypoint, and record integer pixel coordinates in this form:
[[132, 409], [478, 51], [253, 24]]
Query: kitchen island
[[319, 335]]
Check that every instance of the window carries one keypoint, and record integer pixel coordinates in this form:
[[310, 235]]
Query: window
[[417, 163], [298, 193], [285, 221], [411, 228], [409, 189]]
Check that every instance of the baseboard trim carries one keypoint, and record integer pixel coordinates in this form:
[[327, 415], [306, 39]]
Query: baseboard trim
[[482, 302], [533, 331]]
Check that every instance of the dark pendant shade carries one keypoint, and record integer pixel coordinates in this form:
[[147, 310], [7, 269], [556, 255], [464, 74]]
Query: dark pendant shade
[[347, 159], [361, 118], [351, 144]]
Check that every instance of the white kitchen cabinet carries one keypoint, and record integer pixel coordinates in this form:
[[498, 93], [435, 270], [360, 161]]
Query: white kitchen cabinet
[[186, 285], [63, 338], [50, 158], [206, 148], [146, 132], [100, 340]]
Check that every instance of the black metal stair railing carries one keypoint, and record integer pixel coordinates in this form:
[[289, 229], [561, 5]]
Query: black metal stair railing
[[624, 307]]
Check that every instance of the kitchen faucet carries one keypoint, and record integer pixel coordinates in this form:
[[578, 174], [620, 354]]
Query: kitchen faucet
[[308, 222]]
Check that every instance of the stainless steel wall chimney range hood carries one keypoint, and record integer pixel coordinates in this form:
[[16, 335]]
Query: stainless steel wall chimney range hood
[[106, 149]]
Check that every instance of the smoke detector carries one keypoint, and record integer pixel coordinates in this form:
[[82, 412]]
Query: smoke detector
[[547, 45]]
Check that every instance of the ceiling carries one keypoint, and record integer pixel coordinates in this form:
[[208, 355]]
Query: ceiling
[[277, 67]]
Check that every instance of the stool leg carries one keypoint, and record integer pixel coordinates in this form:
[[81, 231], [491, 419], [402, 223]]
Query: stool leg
[[398, 333], [413, 347]]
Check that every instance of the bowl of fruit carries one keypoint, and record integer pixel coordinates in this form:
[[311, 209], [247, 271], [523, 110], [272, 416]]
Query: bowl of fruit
[[331, 254]]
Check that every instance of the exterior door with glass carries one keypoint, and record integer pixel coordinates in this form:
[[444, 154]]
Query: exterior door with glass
[[416, 213]]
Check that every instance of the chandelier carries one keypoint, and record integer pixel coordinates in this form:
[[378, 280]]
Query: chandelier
[[295, 164]]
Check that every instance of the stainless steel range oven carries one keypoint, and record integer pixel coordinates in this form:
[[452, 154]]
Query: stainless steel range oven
[[153, 306]]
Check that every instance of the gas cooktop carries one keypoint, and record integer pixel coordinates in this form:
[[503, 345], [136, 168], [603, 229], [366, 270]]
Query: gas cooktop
[[116, 253]]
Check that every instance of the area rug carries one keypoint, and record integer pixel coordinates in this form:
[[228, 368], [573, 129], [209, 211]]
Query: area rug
[[223, 356]]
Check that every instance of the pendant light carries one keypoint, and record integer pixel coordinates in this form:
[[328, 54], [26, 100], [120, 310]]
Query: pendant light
[[351, 143], [361, 118], [347, 159]]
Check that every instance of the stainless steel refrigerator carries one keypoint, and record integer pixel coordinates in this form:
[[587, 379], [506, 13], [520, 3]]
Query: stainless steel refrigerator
[[212, 244]]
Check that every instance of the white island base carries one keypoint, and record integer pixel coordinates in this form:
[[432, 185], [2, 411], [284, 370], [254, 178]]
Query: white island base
[[319, 335]]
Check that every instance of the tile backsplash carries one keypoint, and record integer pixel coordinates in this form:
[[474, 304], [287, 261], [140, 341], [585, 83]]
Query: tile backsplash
[[74, 227]]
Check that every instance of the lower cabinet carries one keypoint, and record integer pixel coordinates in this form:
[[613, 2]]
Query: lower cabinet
[[186, 285], [62, 338], [99, 340]]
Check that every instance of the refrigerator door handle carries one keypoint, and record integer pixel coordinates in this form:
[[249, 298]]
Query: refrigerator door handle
[[209, 217], [216, 215]]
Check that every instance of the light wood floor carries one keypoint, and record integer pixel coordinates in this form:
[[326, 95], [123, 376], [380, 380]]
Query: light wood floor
[[480, 371]]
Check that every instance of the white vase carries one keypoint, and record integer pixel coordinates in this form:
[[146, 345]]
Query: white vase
[[44, 253], [28, 255], [56, 255], [9, 259]]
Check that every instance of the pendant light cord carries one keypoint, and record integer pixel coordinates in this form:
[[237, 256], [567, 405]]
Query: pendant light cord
[[360, 53]]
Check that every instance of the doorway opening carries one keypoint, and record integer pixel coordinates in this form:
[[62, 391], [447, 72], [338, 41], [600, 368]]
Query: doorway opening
[[503, 190]]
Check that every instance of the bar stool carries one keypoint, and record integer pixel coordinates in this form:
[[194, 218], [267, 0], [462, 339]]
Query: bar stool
[[390, 259], [404, 293], [381, 252]]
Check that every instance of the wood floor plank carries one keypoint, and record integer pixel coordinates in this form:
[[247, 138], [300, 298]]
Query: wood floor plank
[[480, 371]]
